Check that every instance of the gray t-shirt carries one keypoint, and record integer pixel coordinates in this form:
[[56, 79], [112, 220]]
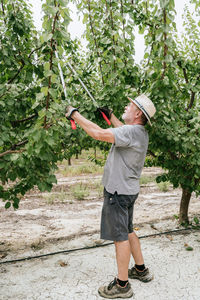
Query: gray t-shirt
[[126, 160]]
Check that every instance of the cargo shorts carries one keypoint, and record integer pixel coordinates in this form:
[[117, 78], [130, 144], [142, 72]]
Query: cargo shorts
[[117, 216]]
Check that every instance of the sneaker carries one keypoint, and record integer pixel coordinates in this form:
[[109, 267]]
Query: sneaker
[[114, 290], [144, 276]]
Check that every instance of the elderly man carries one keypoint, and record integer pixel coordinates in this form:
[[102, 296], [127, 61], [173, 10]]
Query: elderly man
[[121, 187]]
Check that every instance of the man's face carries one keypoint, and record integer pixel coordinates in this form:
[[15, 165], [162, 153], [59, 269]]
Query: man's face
[[130, 114]]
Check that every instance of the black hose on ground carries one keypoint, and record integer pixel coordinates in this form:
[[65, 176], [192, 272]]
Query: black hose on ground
[[95, 246]]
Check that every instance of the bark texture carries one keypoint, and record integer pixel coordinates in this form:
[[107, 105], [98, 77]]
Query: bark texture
[[185, 200]]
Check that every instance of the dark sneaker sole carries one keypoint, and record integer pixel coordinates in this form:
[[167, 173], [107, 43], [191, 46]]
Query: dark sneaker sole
[[140, 278], [129, 294]]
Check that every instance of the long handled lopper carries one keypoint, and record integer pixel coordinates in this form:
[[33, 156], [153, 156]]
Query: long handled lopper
[[73, 125], [89, 94]]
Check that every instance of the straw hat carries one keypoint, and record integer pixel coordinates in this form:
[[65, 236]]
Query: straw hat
[[145, 105]]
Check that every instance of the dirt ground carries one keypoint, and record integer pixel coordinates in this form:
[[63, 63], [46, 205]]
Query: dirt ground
[[40, 227]]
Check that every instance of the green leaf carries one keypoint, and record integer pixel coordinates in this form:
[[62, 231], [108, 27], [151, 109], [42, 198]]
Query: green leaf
[[44, 90], [7, 205], [45, 37], [196, 220], [189, 248], [47, 66]]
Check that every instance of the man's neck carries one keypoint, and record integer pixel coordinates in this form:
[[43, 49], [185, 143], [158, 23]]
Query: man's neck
[[136, 122]]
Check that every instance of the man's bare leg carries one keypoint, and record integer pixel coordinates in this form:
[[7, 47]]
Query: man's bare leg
[[135, 248], [139, 271], [123, 254]]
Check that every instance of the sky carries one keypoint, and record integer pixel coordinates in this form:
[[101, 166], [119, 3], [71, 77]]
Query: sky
[[76, 28]]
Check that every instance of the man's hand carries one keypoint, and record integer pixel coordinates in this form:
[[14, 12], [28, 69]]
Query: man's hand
[[69, 111], [107, 111]]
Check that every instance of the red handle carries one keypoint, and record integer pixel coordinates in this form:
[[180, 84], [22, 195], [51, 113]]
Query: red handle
[[73, 125], [105, 118]]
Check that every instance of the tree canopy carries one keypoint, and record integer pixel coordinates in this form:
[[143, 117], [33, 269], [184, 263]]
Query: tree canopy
[[34, 132]]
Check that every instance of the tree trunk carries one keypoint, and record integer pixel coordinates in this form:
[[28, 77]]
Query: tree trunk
[[69, 161], [76, 155], [185, 200]]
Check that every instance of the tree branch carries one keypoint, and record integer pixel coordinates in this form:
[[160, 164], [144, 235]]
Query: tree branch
[[51, 64], [151, 153], [192, 98], [13, 147], [11, 152], [113, 38], [165, 46], [38, 48], [15, 122], [2, 6], [95, 41], [184, 71], [123, 26], [139, 13]]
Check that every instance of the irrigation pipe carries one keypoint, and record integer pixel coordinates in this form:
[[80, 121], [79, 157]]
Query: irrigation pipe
[[92, 247]]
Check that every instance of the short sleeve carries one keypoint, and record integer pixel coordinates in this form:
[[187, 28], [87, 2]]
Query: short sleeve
[[124, 135]]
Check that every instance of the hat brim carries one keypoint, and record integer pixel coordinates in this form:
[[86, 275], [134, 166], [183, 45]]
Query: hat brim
[[131, 100]]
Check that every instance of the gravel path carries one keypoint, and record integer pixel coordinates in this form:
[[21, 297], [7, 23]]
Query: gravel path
[[77, 275]]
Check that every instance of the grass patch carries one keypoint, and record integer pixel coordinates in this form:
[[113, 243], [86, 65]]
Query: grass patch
[[80, 191], [164, 186], [144, 179], [98, 187], [88, 168], [51, 198]]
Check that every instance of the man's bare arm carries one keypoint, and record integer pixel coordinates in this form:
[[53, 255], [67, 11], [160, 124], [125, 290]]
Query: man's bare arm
[[115, 122], [93, 129]]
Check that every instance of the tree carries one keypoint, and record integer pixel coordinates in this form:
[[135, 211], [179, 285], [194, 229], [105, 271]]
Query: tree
[[34, 132], [35, 135], [171, 74]]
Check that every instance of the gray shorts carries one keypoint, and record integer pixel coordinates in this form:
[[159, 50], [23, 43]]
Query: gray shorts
[[117, 216]]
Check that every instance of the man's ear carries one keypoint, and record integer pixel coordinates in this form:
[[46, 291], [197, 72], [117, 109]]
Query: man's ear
[[139, 113]]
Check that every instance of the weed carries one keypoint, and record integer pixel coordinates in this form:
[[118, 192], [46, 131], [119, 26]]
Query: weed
[[176, 217], [58, 197], [196, 220], [37, 245], [89, 168], [98, 188], [163, 186], [146, 179], [80, 191], [50, 198]]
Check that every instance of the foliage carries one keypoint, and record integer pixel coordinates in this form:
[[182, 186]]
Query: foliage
[[34, 132], [172, 76], [169, 75]]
